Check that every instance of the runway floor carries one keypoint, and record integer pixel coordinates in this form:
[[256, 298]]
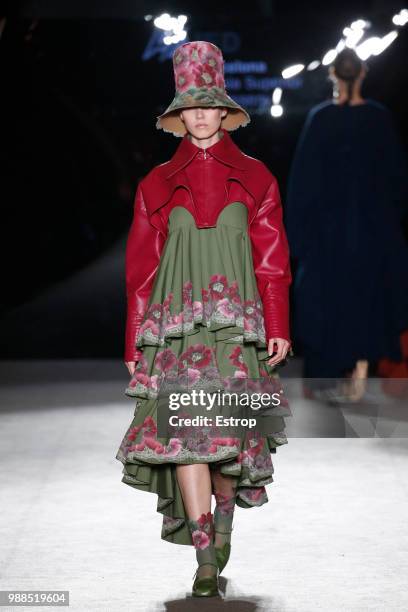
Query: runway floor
[[333, 536]]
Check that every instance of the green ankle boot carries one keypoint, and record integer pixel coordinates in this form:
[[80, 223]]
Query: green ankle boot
[[205, 586], [223, 553]]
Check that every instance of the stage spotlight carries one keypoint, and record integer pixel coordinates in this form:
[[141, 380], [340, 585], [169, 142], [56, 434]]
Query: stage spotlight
[[173, 27], [277, 95], [289, 72], [276, 110]]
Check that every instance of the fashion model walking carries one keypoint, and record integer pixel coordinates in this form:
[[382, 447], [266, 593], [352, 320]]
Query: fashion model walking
[[208, 275], [347, 193]]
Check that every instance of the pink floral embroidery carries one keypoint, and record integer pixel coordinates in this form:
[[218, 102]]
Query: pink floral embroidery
[[196, 51], [225, 503], [198, 355], [205, 530], [149, 441], [200, 539], [195, 440], [165, 360], [218, 284], [254, 494], [204, 75], [237, 358], [197, 309], [257, 456], [203, 62], [205, 522], [150, 325], [221, 305], [185, 79]]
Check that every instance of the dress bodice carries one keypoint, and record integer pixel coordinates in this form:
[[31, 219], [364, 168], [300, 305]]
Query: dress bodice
[[233, 215]]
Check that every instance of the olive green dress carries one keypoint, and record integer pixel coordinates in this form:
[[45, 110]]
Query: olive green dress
[[204, 320]]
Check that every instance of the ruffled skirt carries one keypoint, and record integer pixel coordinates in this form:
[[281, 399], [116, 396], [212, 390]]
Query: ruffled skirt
[[203, 329]]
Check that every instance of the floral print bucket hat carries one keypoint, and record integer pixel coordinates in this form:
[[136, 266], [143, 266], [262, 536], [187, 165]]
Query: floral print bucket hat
[[199, 79]]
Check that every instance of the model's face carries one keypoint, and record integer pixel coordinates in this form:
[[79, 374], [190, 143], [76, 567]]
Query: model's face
[[202, 122]]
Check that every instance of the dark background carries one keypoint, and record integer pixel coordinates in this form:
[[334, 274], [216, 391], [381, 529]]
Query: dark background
[[79, 132]]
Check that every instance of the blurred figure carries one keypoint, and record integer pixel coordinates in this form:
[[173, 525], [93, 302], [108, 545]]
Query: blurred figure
[[346, 198]]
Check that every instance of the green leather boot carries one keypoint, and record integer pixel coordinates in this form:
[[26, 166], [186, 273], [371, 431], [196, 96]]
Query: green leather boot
[[202, 534], [205, 586], [223, 553]]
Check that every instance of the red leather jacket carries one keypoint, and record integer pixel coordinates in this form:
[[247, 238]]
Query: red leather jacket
[[205, 181]]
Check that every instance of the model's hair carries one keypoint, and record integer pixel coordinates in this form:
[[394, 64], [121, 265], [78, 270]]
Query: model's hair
[[347, 66]]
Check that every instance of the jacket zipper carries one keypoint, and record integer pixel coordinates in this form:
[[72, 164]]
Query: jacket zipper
[[205, 211]]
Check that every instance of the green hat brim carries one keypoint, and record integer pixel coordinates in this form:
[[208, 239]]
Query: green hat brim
[[169, 121]]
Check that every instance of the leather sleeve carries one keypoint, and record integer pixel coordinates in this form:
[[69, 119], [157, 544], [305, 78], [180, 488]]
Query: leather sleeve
[[271, 259], [143, 250]]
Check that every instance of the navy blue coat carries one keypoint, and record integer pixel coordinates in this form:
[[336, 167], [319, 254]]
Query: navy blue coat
[[347, 195]]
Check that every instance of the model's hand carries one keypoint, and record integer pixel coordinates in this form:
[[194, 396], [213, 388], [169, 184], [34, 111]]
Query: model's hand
[[131, 365], [283, 347]]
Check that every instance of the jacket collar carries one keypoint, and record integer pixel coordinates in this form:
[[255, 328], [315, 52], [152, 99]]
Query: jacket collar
[[225, 151]]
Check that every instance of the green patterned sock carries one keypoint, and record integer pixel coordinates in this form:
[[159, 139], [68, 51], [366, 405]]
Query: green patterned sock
[[223, 517], [202, 533]]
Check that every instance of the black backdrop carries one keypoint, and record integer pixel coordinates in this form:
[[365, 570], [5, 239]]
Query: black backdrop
[[79, 133]]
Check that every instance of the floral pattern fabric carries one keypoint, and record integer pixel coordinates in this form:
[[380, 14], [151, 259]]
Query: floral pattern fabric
[[198, 69], [204, 326], [221, 304]]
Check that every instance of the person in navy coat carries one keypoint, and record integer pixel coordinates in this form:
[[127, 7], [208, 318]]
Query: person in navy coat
[[347, 196]]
